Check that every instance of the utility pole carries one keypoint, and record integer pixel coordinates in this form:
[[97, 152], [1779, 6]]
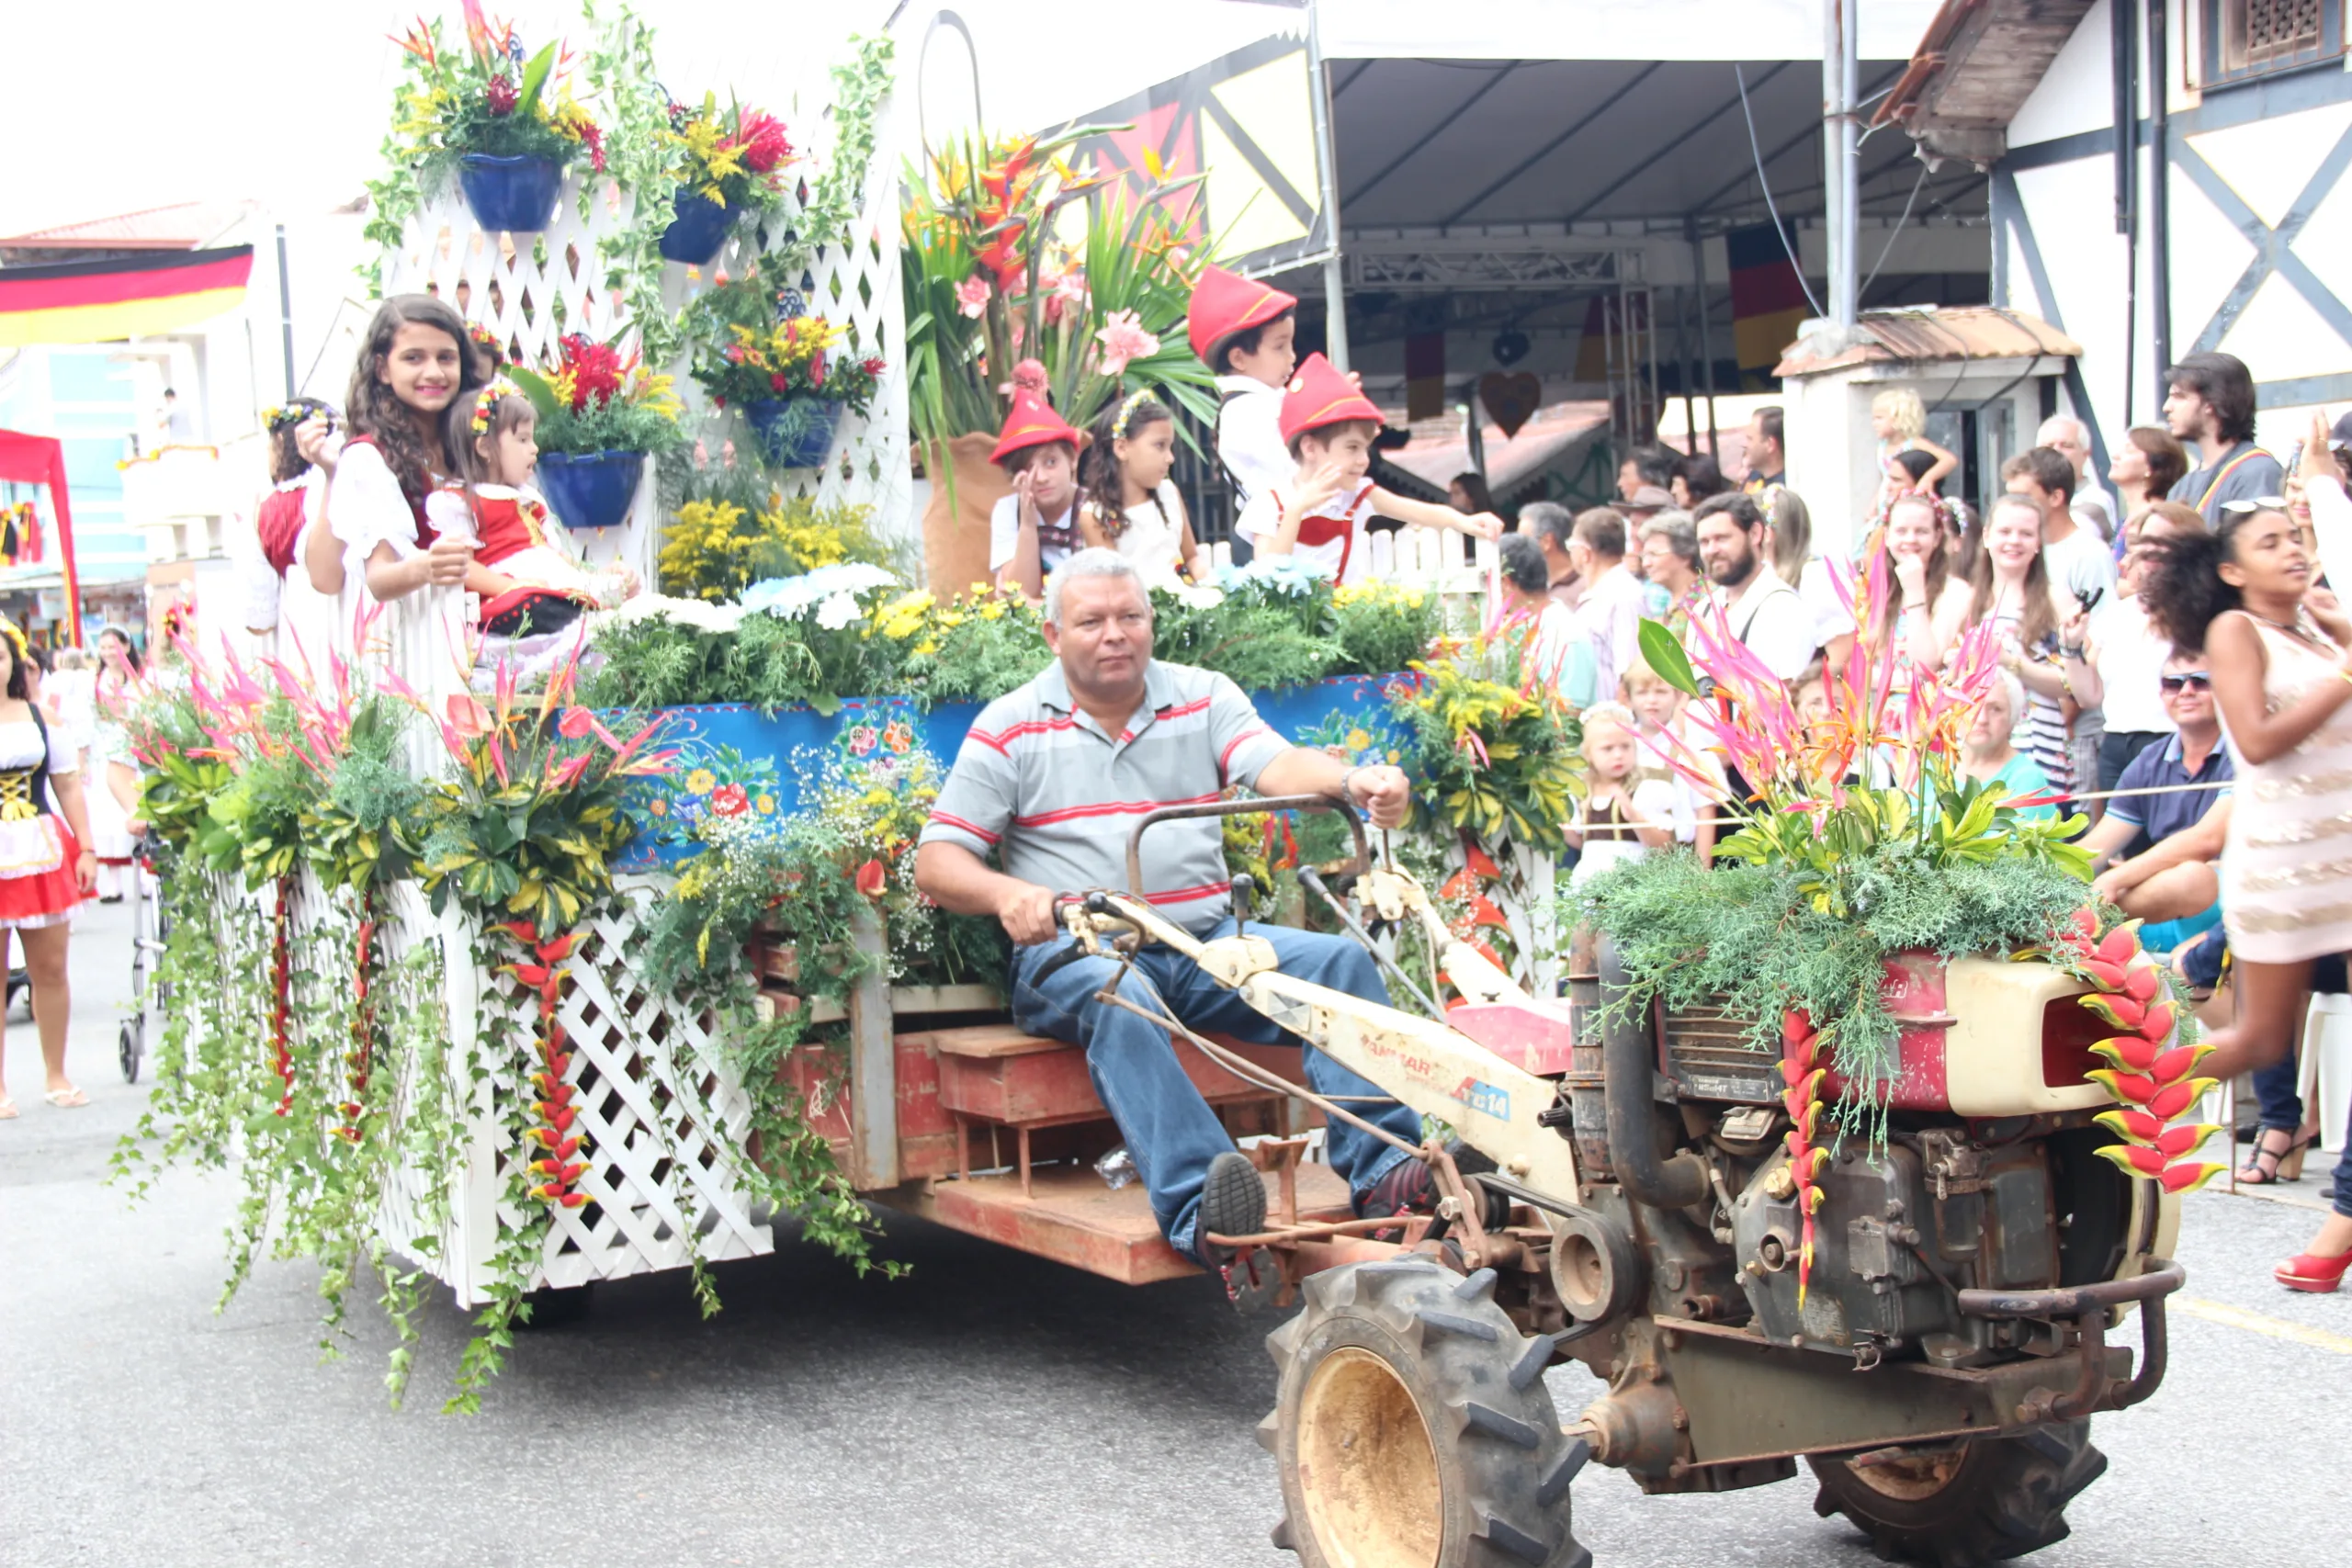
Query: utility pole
[[1840, 84], [1319, 89]]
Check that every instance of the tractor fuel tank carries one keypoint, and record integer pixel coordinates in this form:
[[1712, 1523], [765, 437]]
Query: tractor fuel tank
[[1977, 1037]]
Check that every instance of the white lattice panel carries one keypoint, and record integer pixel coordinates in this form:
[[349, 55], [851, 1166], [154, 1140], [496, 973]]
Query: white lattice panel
[[530, 290], [661, 1119]]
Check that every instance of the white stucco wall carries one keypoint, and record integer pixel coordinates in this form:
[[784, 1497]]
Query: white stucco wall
[[2266, 160]]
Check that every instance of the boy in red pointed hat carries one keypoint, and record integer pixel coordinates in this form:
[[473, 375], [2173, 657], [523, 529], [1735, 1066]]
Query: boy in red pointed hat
[[1243, 332], [1318, 513], [1033, 530]]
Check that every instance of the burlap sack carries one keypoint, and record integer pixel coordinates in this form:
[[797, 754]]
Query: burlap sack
[[955, 532]]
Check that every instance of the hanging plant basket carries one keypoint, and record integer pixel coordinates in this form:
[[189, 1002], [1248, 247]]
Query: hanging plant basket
[[700, 229], [795, 432], [516, 195], [591, 490]]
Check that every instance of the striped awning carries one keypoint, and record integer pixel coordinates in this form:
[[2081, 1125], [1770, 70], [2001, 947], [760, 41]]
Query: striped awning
[[122, 297]]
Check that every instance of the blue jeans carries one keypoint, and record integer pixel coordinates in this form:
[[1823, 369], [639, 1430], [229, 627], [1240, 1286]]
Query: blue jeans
[[1171, 1132]]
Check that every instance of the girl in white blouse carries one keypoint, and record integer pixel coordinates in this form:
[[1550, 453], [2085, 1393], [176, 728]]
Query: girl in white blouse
[[1131, 504], [415, 368]]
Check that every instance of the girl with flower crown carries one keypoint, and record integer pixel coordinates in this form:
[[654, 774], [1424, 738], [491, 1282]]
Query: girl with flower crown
[[285, 515], [526, 568], [1131, 505]]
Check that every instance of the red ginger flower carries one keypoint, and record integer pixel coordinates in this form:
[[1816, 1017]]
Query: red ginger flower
[[596, 371], [501, 95], [762, 139]]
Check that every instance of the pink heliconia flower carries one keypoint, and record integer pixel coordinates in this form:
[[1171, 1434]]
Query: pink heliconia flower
[[576, 723], [468, 717]]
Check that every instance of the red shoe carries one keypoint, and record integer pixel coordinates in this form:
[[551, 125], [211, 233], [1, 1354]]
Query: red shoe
[[2320, 1275]]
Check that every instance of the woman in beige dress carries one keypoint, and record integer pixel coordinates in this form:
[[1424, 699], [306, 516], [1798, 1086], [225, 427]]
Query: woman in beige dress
[[2283, 681]]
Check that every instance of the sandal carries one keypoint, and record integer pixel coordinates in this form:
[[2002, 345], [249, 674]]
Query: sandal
[[7, 1109], [2306, 1271], [2271, 1164], [67, 1099]]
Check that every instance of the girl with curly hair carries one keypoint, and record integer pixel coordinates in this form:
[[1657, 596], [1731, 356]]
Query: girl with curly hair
[[2282, 679], [406, 409]]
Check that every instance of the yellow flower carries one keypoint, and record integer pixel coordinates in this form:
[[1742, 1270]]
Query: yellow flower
[[927, 647], [1358, 740], [701, 782], [1413, 601], [764, 804], [992, 611]]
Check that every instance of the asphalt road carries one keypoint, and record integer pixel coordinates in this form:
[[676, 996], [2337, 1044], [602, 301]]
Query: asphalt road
[[989, 1412]]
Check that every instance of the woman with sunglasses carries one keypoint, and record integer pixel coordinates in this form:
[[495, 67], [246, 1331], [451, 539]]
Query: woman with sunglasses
[[2283, 679]]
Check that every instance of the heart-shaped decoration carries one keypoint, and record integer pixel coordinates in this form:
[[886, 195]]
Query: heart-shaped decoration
[[1511, 400]]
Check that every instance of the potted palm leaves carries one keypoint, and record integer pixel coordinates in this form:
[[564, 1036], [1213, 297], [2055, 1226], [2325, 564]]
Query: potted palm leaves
[[1000, 292]]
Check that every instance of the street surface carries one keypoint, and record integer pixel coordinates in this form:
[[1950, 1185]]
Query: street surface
[[992, 1411]]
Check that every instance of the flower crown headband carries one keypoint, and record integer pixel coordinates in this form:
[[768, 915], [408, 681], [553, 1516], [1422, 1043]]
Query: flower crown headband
[[1135, 399], [286, 415], [486, 404]]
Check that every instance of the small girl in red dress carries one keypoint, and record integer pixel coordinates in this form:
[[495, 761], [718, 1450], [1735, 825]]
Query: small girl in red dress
[[45, 871], [525, 568]]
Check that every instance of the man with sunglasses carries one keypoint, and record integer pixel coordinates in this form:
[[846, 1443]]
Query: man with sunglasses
[[2162, 846]]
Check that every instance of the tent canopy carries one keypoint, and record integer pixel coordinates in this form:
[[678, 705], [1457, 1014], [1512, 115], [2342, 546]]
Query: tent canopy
[[41, 460], [1434, 144]]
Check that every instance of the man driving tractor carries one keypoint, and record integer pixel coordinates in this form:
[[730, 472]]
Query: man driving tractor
[[1051, 778]]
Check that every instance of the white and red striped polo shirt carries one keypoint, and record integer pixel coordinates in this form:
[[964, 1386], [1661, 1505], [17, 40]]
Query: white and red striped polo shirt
[[1040, 783]]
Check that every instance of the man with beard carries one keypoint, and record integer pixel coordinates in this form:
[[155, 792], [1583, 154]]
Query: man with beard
[[1761, 612]]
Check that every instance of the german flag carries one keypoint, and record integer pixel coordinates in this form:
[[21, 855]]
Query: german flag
[[102, 301], [1768, 302]]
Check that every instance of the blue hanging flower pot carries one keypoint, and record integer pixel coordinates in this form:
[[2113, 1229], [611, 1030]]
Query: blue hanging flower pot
[[591, 490], [516, 195], [795, 432], [700, 229]]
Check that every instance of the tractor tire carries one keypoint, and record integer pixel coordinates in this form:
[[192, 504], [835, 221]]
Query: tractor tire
[[1413, 1429], [1995, 1499]]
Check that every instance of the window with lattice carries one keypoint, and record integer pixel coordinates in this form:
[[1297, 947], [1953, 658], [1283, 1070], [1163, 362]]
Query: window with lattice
[[2248, 39]]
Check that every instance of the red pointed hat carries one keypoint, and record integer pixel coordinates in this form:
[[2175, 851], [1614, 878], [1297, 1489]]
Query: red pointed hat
[[1224, 304], [1032, 422], [1320, 396]]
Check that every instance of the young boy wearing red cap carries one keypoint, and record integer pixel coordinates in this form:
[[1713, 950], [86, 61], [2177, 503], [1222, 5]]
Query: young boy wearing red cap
[[1243, 332], [1033, 530], [1318, 514]]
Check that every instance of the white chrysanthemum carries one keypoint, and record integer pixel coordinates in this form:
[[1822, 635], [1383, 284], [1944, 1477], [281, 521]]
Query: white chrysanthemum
[[837, 612], [693, 613]]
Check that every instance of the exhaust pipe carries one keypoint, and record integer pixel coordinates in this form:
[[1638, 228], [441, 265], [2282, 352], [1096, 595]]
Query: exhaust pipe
[[1629, 1058]]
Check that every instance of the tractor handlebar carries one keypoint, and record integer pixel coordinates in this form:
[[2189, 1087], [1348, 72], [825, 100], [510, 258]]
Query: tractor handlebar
[[1250, 807]]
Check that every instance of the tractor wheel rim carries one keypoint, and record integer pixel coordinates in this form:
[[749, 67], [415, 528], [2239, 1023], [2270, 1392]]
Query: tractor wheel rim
[[1367, 1466], [1914, 1479]]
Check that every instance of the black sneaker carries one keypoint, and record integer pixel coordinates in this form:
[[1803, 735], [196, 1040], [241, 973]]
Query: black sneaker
[[1233, 1203], [1407, 1189]]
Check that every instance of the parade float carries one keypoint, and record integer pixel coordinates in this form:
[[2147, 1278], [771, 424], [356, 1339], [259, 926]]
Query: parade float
[[517, 977], [512, 980]]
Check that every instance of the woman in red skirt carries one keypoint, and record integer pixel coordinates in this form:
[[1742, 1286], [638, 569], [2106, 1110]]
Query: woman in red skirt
[[45, 873]]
